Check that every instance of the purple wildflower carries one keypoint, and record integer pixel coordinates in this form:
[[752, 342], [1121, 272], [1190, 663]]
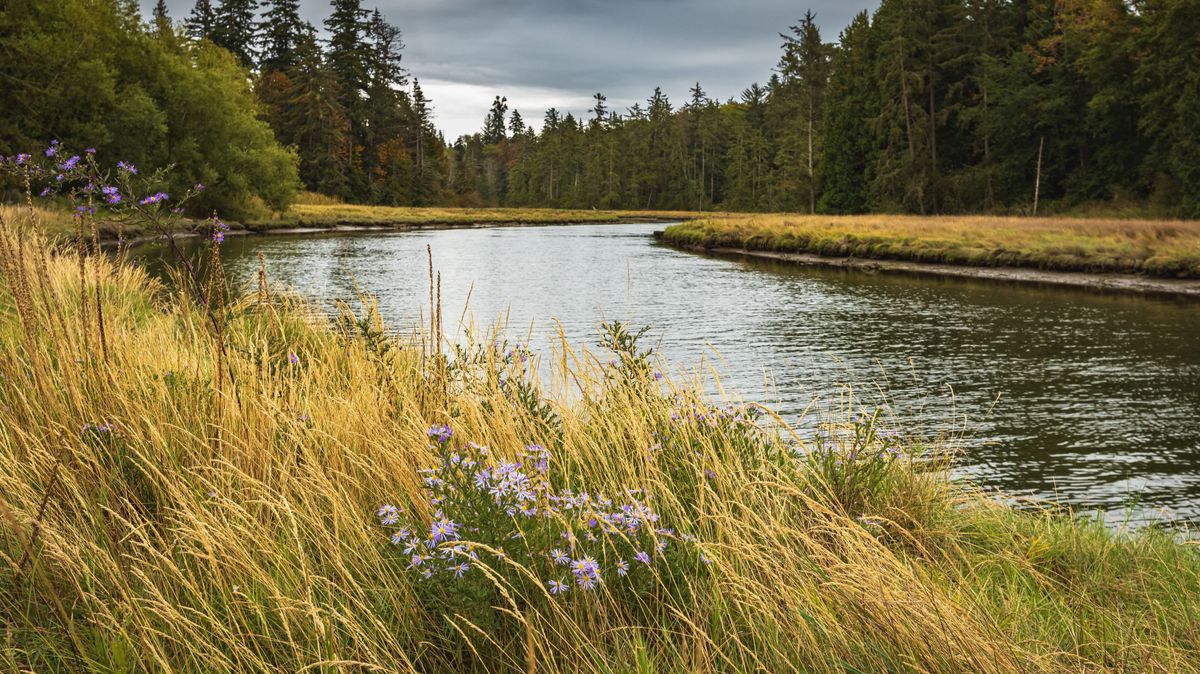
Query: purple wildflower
[[111, 194], [559, 556], [155, 198], [642, 557], [70, 163], [558, 587], [441, 433], [127, 167], [53, 149], [388, 514], [622, 567], [292, 357], [218, 237], [443, 530]]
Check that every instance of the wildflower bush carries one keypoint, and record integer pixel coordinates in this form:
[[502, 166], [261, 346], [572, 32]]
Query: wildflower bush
[[121, 195], [504, 531]]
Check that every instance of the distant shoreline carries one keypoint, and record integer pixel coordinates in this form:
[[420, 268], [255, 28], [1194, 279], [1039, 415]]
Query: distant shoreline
[[1105, 281]]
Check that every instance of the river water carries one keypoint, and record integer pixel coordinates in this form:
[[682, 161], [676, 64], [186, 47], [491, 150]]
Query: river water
[[1083, 398]]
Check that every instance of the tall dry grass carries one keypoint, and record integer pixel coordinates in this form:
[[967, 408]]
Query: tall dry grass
[[215, 514], [1169, 248]]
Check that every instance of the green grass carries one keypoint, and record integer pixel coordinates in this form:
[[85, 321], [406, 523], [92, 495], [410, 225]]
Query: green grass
[[226, 521], [1164, 248]]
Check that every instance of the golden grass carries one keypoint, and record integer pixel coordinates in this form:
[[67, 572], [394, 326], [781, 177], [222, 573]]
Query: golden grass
[[1169, 248], [309, 214], [225, 523]]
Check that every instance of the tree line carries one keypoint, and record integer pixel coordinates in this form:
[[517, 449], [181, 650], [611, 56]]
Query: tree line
[[922, 106]]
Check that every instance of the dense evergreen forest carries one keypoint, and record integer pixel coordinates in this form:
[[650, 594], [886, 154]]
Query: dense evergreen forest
[[924, 106]]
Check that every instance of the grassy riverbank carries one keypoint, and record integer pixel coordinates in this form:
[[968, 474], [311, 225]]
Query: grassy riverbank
[[57, 221], [1162, 248], [333, 214], [186, 489]]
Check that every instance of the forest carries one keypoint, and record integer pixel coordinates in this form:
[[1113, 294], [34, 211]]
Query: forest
[[922, 107]]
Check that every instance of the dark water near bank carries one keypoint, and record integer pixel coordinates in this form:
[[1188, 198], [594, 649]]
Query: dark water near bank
[[1085, 398]]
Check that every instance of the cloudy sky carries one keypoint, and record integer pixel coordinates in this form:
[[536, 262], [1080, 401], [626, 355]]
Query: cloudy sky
[[543, 53]]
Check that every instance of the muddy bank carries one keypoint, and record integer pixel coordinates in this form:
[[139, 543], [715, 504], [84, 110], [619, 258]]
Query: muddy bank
[[1187, 288]]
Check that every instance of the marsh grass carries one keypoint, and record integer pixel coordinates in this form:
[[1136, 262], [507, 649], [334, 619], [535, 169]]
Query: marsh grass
[[320, 213], [1167, 248], [204, 499]]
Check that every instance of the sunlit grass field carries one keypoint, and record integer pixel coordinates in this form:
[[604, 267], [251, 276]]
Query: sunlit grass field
[[1164, 248], [196, 481]]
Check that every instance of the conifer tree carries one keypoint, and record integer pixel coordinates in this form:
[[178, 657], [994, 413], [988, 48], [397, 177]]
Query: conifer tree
[[282, 29], [161, 19], [493, 126], [201, 23], [851, 106], [236, 29]]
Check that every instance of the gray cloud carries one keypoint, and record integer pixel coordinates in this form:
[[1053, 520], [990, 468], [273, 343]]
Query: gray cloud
[[623, 48]]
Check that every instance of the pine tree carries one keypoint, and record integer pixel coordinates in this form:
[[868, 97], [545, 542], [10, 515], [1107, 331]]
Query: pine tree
[[599, 110], [202, 22], [347, 53], [315, 121], [804, 75], [236, 29], [851, 106], [161, 20], [282, 30], [493, 125], [1170, 100], [516, 124]]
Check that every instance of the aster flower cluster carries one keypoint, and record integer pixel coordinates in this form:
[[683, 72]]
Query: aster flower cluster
[[504, 512], [79, 177]]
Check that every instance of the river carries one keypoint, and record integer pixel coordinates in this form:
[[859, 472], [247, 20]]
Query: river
[[1083, 398]]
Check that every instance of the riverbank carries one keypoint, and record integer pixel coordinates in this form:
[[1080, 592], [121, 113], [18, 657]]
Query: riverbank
[[1189, 288], [1160, 249], [319, 218], [240, 488]]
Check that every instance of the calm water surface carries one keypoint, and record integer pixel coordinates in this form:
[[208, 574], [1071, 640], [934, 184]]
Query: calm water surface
[[1089, 399]]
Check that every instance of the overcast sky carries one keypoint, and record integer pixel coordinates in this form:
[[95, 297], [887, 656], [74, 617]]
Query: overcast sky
[[543, 53]]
